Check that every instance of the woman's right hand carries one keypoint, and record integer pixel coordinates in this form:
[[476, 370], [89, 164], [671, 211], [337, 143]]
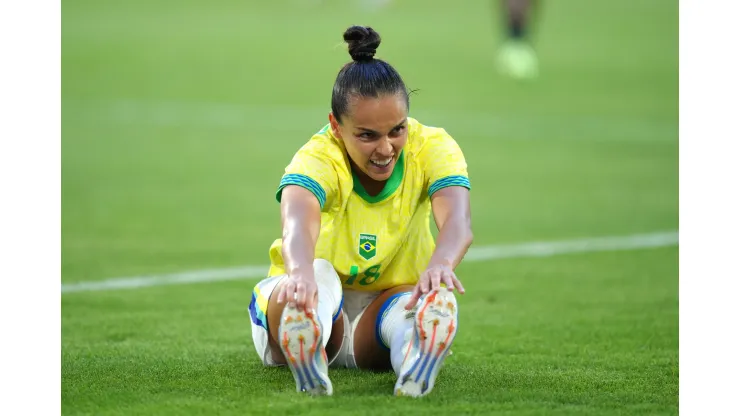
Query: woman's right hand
[[299, 290]]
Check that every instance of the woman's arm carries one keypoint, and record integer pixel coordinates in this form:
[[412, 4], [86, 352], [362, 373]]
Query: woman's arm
[[301, 222], [451, 208]]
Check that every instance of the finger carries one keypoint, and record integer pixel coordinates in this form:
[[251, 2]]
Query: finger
[[289, 293], [281, 294], [311, 298], [458, 285], [300, 298], [448, 279], [435, 279], [424, 283], [414, 298]]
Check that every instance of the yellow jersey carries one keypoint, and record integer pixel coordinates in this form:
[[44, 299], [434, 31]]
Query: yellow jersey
[[383, 241]]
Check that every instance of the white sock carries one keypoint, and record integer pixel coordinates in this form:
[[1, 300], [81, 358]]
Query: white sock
[[330, 296], [395, 324], [399, 344]]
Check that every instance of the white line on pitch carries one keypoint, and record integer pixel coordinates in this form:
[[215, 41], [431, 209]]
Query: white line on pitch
[[482, 253]]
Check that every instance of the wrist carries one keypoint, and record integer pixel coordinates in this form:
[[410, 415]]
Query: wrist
[[440, 262], [300, 271]]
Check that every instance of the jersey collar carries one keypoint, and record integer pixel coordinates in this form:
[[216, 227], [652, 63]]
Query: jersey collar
[[393, 182]]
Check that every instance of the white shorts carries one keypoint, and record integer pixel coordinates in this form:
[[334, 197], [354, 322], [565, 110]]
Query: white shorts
[[354, 304]]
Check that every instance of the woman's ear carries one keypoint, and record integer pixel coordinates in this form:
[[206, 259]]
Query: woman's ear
[[334, 126]]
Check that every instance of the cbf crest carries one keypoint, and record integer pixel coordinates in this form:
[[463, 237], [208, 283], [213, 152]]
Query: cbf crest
[[368, 246]]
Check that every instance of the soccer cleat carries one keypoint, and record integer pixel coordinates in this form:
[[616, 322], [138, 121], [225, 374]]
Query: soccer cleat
[[435, 326], [302, 346], [518, 60]]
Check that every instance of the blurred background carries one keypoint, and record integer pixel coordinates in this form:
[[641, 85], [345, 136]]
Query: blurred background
[[178, 119]]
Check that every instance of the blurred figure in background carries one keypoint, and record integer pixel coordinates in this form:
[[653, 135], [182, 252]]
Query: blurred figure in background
[[517, 58]]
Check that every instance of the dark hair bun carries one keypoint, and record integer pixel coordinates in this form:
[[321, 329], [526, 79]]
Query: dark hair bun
[[363, 42]]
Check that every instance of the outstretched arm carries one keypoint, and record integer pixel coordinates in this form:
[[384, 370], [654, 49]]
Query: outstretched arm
[[451, 208], [301, 222]]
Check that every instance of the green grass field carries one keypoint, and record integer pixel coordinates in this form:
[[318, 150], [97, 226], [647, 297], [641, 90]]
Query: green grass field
[[179, 117]]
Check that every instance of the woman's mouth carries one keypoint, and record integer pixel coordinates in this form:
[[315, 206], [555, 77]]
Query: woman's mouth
[[381, 163]]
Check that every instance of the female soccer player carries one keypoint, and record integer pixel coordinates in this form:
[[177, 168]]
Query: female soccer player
[[357, 280]]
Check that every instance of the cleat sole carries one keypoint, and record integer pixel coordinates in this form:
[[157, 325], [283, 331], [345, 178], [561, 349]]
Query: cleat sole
[[302, 346]]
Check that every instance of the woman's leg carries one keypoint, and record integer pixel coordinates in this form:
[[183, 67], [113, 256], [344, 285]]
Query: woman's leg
[[370, 352], [413, 343], [306, 341]]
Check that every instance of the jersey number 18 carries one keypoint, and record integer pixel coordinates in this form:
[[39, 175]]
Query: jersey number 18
[[369, 276]]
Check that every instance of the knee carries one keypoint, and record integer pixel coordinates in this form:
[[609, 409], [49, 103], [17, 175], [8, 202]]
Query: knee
[[325, 272]]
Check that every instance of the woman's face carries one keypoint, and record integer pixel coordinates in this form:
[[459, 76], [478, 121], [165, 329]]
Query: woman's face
[[374, 132]]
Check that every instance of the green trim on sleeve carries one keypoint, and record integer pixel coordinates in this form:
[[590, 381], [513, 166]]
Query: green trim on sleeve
[[454, 180], [304, 181]]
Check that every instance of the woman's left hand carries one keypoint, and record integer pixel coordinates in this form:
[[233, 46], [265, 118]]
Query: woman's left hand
[[431, 279]]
